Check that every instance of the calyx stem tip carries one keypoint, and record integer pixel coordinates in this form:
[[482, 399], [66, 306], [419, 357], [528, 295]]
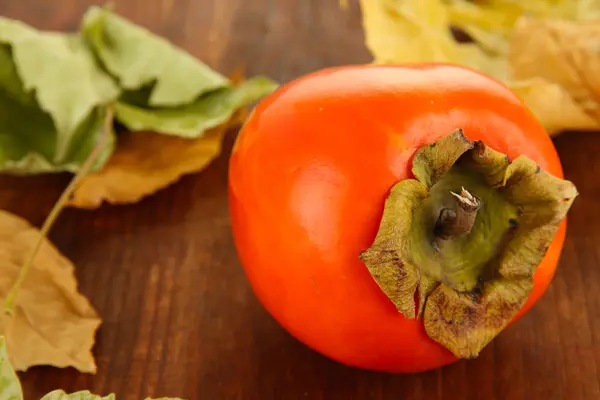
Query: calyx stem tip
[[465, 198], [458, 220]]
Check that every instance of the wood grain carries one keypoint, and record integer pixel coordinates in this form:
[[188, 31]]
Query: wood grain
[[180, 318]]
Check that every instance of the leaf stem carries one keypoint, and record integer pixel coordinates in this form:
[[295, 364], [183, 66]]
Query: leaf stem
[[58, 207]]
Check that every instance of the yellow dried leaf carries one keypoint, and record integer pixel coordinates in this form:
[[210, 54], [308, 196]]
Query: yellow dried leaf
[[53, 324], [488, 23], [559, 62], [145, 162], [414, 31], [389, 23], [553, 106], [549, 58], [499, 16]]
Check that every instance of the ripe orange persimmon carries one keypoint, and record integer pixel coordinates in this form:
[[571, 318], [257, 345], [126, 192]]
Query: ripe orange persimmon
[[309, 177]]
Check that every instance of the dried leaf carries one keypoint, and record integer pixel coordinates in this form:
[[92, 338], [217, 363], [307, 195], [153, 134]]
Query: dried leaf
[[542, 98], [414, 31], [555, 66], [389, 22], [146, 162], [132, 173], [53, 324], [547, 52]]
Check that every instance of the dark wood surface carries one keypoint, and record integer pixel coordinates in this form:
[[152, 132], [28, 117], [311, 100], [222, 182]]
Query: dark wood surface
[[179, 316]]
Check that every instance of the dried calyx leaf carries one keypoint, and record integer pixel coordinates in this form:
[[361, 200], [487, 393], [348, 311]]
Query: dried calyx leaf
[[545, 51], [466, 236], [10, 387]]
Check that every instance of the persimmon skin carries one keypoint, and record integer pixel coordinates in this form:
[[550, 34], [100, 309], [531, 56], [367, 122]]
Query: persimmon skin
[[309, 174]]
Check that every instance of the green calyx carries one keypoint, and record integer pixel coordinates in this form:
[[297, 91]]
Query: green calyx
[[458, 246]]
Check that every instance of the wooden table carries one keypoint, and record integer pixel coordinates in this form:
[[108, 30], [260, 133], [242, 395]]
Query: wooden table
[[179, 316]]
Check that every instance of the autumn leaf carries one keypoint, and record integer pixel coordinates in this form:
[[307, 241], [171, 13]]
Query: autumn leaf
[[146, 162], [52, 323], [546, 52], [555, 69], [414, 31]]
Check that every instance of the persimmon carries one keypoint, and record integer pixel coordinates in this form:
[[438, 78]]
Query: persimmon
[[397, 218]]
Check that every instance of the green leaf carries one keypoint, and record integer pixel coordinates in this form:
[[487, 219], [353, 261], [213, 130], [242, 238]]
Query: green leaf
[[85, 395], [208, 111], [10, 387], [69, 85], [28, 140], [82, 395], [138, 58], [166, 89], [9, 78], [50, 117]]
